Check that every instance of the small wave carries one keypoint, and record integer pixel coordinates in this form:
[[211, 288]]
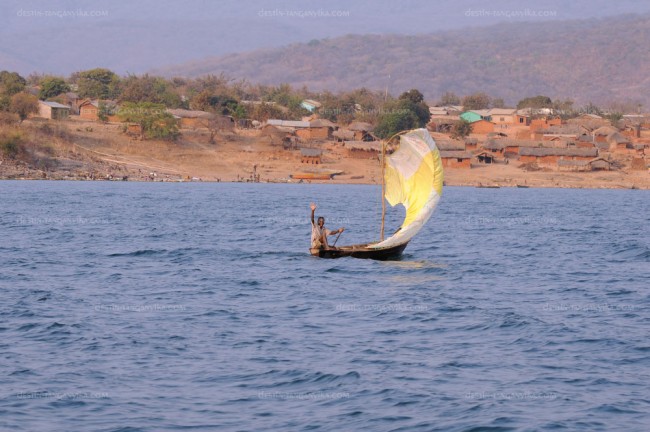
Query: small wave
[[138, 253], [633, 253], [613, 409], [318, 377]]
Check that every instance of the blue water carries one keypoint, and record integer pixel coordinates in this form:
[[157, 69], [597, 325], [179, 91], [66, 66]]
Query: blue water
[[164, 307]]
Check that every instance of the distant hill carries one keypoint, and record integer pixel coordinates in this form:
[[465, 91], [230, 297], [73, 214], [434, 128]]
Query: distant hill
[[126, 36], [598, 60]]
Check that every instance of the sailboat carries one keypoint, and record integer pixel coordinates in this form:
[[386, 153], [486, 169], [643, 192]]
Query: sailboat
[[411, 176]]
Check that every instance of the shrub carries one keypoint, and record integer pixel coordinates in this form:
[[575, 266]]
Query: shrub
[[11, 144]]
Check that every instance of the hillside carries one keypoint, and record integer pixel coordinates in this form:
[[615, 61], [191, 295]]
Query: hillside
[[587, 60], [128, 36]]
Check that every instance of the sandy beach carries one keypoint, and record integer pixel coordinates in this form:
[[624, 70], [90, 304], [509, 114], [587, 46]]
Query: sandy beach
[[94, 151]]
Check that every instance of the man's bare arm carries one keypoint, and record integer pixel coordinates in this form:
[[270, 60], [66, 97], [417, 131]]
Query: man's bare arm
[[313, 209]]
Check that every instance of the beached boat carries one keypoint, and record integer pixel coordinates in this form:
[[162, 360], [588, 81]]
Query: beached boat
[[412, 176], [315, 175]]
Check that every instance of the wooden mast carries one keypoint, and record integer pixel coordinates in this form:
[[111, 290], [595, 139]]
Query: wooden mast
[[383, 190]]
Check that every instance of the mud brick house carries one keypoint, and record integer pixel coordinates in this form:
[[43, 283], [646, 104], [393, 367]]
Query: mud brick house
[[456, 159], [551, 156]]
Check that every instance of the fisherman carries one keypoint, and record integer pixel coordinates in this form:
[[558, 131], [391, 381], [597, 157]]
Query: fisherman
[[318, 231]]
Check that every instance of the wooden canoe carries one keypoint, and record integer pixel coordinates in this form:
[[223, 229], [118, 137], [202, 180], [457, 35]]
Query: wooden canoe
[[360, 251], [312, 176]]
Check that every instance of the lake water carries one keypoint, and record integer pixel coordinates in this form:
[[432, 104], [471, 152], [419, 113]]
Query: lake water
[[164, 307]]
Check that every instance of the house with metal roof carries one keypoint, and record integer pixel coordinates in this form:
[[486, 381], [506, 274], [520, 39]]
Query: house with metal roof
[[53, 110], [503, 115], [310, 105], [470, 116]]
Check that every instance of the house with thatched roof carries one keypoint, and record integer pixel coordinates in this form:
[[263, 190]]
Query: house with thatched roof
[[494, 146], [307, 130], [486, 157], [456, 159], [280, 135], [617, 141], [450, 145], [342, 135], [597, 164], [471, 143], [363, 149], [550, 156], [601, 134], [362, 131], [318, 129], [311, 156]]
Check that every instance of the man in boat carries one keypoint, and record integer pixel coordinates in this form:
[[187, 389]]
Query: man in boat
[[318, 231]]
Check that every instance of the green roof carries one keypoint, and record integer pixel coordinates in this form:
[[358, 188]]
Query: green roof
[[470, 116]]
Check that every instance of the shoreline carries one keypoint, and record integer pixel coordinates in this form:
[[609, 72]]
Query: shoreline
[[477, 185]]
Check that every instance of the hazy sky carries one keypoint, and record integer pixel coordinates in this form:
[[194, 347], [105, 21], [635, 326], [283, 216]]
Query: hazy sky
[[62, 36]]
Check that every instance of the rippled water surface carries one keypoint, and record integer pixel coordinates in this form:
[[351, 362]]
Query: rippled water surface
[[158, 307]]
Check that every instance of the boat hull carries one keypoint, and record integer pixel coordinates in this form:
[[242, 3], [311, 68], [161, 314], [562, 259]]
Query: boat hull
[[361, 251], [311, 176]]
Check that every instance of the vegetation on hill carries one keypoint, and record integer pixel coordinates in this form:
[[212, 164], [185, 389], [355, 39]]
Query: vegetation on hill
[[154, 121], [590, 60]]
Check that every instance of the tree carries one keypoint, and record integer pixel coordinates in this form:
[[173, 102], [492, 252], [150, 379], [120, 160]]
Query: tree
[[337, 108], [563, 107], [218, 104], [414, 95], [51, 87], [285, 95], [149, 89], [413, 100], [23, 104], [103, 111], [498, 103], [98, 83], [266, 110], [461, 129], [216, 124], [152, 118], [615, 117], [535, 102], [393, 122], [476, 101], [591, 108], [403, 114], [449, 98], [11, 83]]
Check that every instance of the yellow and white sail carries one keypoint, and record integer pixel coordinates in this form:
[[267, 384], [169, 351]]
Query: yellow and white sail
[[413, 176]]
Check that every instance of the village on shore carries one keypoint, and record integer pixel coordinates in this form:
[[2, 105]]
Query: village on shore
[[531, 147]]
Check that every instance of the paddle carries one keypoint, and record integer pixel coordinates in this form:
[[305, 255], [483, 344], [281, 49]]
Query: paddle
[[337, 238]]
